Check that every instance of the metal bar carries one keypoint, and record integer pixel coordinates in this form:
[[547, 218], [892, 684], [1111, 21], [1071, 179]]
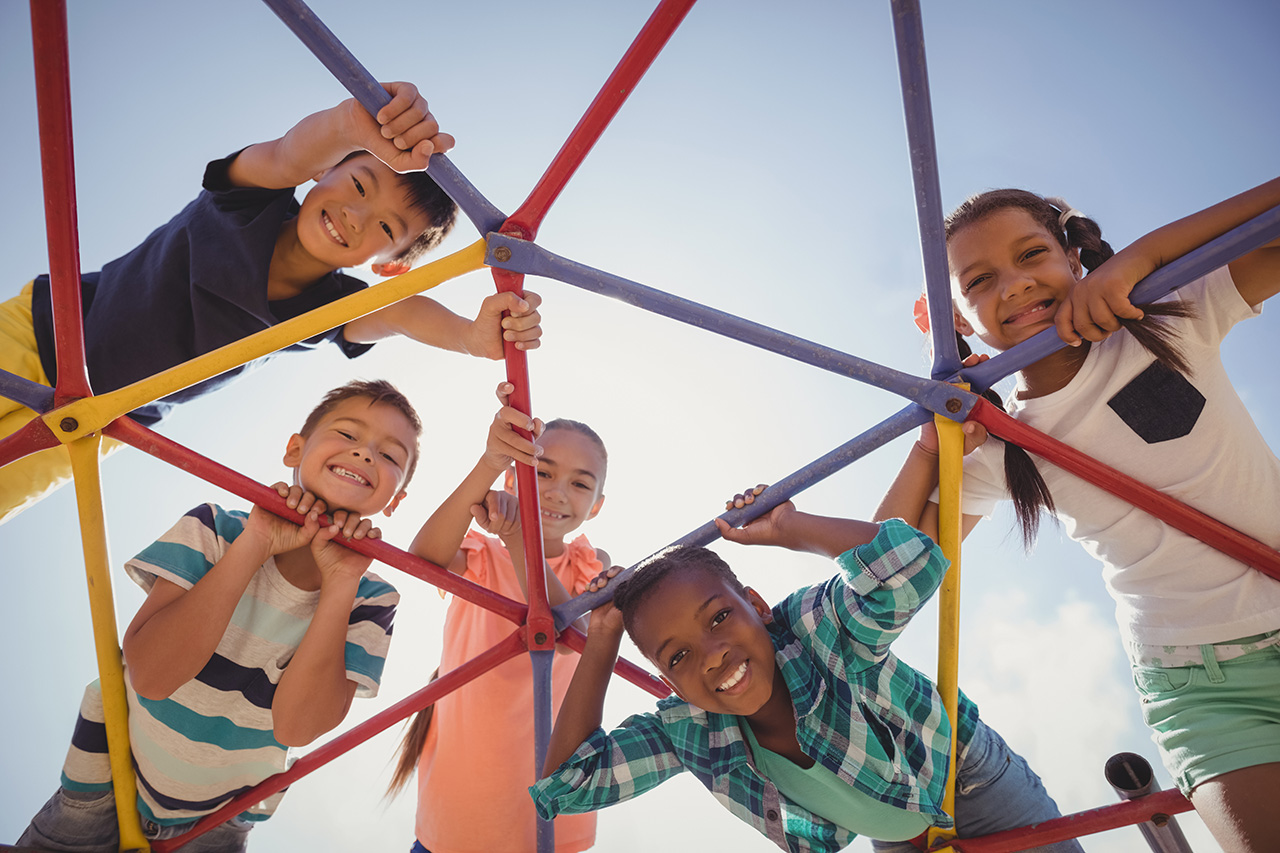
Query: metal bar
[[1130, 777], [188, 460], [530, 258], [27, 440], [913, 71], [1155, 807], [652, 37], [93, 413], [33, 395], [541, 664], [317, 758], [106, 638], [57, 163], [1212, 532], [783, 490], [1259, 231], [312, 32]]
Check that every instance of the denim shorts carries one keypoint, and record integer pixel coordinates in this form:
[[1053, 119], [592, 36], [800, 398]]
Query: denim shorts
[[995, 791], [1214, 718], [73, 822]]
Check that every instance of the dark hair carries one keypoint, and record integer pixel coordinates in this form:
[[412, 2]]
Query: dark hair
[[650, 574], [425, 196], [375, 391], [1027, 488], [583, 430]]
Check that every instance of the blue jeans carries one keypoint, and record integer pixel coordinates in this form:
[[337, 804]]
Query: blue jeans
[[995, 790], [72, 822]]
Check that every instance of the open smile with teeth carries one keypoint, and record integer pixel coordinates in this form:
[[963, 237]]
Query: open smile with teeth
[[331, 228], [1031, 313], [348, 474], [732, 681], [554, 516]]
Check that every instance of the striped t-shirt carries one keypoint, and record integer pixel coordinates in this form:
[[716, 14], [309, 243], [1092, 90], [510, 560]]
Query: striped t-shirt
[[213, 737]]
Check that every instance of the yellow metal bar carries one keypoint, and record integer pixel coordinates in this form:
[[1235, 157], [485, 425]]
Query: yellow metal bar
[[97, 567], [950, 471], [92, 413]]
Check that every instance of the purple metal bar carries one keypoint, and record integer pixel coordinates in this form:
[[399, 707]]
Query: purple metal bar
[[541, 663], [533, 259], [1259, 231], [783, 490], [312, 32], [908, 32], [33, 395]]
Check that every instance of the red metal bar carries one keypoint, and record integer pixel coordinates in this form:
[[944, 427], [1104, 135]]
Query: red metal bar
[[1077, 825], [574, 639], [512, 646], [188, 460], [633, 65], [35, 435], [57, 162], [1212, 532]]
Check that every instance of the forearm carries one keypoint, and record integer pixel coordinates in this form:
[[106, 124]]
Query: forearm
[[582, 711], [418, 318], [908, 496], [314, 144], [440, 537], [314, 693], [171, 646]]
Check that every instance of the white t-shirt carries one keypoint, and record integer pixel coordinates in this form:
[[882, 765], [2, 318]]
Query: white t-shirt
[[1200, 446]]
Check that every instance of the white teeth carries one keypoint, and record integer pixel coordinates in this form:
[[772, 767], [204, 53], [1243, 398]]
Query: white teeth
[[350, 475], [732, 681], [333, 230], [546, 513]]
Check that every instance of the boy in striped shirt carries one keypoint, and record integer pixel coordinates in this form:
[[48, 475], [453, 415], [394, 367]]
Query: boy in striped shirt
[[256, 634]]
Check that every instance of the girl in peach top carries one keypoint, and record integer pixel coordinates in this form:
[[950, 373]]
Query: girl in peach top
[[473, 750]]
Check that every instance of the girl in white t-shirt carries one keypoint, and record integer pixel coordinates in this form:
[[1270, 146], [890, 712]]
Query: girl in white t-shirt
[[1155, 403]]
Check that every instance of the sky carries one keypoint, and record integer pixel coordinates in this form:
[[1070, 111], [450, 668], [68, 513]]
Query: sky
[[760, 167]]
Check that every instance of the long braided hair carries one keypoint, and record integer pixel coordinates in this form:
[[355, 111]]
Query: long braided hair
[[1027, 489]]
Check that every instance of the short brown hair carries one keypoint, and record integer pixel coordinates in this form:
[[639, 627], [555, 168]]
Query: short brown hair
[[375, 391]]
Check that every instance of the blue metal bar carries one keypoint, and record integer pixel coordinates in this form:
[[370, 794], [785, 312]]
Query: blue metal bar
[[33, 395], [298, 17], [913, 71], [1259, 231], [510, 253], [783, 490], [541, 662]]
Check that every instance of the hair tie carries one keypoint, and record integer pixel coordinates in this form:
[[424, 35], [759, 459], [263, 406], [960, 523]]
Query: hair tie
[[1067, 211], [921, 313]]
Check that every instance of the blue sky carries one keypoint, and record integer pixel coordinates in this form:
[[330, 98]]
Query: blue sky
[[760, 167]]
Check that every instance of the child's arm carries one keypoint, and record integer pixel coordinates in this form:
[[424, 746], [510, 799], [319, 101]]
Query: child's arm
[[177, 630], [1096, 305], [440, 537], [427, 321], [404, 136], [908, 495], [314, 693]]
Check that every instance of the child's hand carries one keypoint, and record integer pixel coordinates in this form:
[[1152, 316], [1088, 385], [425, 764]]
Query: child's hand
[[1099, 301], [405, 134], [606, 620], [505, 445], [280, 535], [975, 435], [765, 530], [335, 560], [499, 515], [522, 325], [601, 580]]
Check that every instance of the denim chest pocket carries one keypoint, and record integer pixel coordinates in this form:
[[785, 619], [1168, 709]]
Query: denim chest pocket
[[1155, 683]]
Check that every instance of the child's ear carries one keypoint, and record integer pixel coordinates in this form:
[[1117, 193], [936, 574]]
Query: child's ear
[[962, 325], [595, 508], [391, 268], [395, 502], [293, 451], [763, 610], [509, 481]]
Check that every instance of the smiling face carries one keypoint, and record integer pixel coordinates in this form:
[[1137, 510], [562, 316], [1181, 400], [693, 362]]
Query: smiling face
[[1008, 276], [356, 458], [358, 212], [571, 474], [708, 640]]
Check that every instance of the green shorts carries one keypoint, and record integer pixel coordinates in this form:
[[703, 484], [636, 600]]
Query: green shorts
[[1214, 718]]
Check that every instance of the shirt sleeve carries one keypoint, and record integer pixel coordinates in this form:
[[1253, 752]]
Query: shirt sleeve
[[609, 768], [369, 633], [189, 549], [883, 583]]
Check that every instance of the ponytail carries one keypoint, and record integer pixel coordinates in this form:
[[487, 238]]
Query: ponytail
[[1073, 230], [410, 749]]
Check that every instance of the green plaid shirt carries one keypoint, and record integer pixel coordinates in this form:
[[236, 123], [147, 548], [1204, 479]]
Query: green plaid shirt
[[860, 712]]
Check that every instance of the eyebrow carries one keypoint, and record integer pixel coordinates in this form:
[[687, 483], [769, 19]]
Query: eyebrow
[[1032, 235], [358, 422], [657, 653], [372, 177], [582, 471]]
